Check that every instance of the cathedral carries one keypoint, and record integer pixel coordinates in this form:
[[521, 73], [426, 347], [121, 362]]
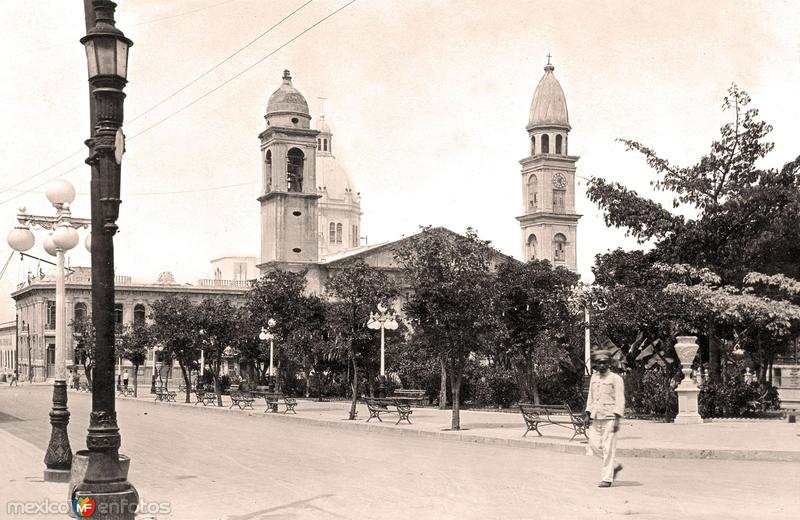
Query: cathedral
[[311, 211]]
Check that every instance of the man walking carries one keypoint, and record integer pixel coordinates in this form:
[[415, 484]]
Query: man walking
[[605, 406], [14, 381], [125, 378]]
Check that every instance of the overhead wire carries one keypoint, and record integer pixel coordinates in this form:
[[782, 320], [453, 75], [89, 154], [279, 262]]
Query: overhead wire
[[40, 172]]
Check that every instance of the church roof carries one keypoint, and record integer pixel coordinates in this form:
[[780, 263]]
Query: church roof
[[549, 106], [287, 99]]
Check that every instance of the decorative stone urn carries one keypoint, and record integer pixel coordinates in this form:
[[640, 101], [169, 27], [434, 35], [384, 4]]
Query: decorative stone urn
[[686, 348]]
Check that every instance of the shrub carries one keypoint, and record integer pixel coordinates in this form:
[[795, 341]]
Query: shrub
[[650, 393], [736, 398]]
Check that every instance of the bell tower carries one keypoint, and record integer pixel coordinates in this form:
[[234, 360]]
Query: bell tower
[[289, 196], [548, 222]]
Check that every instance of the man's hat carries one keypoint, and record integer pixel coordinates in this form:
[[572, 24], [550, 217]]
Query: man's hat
[[601, 355]]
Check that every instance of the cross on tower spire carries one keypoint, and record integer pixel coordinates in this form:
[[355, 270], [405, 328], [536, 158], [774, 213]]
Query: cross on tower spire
[[548, 58]]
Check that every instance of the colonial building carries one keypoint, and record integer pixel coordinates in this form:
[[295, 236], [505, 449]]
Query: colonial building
[[548, 222], [8, 347], [36, 311]]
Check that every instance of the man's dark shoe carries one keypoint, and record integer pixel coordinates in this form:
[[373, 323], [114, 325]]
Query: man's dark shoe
[[617, 469], [604, 483]]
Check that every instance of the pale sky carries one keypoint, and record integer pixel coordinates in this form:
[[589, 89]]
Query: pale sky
[[428, 102]]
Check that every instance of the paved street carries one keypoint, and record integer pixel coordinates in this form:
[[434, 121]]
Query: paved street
[[233, 466]]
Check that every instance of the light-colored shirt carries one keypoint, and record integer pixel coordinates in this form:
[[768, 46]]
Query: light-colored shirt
[[606, 396]]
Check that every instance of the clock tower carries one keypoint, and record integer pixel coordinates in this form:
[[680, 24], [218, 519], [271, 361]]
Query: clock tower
[[548, 222]]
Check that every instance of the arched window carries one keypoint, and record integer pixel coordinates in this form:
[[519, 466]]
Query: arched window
[[319, 144], [531, 247], [332, 233], [339, 233], [294, 170], [217, 274], [545, 143], [268, 172], [139, 314], [324, 145], [533, 192], [558, 144], [559, 247], [80, 311], [533, 145]]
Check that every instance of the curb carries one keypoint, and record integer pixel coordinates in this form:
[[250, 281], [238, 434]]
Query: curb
[[560, 447]]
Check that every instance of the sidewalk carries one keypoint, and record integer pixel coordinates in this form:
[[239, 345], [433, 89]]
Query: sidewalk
[[724, 439]]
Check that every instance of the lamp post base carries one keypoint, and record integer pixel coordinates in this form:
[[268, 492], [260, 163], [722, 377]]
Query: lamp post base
[[98, 476], [57, 475], [58, 457]]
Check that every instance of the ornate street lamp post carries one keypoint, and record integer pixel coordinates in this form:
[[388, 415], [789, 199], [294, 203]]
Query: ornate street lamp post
[[382, 320], [105, 479], [63, 237], [267, 334]]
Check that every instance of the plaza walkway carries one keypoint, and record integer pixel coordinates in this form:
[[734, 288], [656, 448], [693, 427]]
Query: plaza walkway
[[724, 439]]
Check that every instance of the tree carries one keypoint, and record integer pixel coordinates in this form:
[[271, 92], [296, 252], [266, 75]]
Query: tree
[[133, 344], [279, 295], [453, 297], [747, 218], [175, 326], [217, 322], [355, 292], [83, 332], [533, 301]]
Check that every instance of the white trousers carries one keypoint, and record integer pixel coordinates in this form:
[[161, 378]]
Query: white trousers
[[603, 443]]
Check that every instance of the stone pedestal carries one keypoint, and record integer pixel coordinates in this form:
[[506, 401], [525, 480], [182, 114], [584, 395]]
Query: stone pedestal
[[687, 391]]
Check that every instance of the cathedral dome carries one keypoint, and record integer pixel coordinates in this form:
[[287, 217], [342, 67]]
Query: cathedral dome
[[287, 106], [333, 180], [549, 106]]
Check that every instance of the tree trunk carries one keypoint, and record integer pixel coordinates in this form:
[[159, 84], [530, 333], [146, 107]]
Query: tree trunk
[[355, 390], [455, 391], [307, 373], [135, 380], [277, 376], [87, 370], [185, 379], [443, 383], [713, 355]]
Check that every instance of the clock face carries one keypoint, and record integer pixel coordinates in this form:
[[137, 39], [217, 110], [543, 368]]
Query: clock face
[[559, 181]]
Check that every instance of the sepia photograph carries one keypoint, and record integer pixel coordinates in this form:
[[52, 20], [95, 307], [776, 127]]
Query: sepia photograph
[[379, 259]]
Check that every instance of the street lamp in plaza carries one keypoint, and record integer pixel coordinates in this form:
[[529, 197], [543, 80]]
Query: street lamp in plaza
[[104, 478], [267, 334], [63, 237], [382, 320]]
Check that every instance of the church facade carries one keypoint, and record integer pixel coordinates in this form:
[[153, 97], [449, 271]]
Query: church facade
[[311, 213]]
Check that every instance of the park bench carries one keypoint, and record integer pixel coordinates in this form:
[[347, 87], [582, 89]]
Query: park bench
[[205, 397], [162, 394], [418, 395], [124, 391], [377, 406], [240, 399], [537, 415], [272, 401]]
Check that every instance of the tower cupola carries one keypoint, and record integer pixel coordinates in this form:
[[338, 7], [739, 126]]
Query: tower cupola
[[548, 119], [287, 108]]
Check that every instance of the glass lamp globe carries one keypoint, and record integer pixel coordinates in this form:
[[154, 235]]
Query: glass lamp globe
[[88, 242], [20, 238], [60, 191], [65, 237], [49, 245], [271, 323]]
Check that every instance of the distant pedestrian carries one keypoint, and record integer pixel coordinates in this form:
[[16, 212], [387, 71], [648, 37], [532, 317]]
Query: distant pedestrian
[[605, 406], [125, 378], [13, 379]]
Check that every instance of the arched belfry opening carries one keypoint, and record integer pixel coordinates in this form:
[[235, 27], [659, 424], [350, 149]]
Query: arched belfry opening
[[533, 192], [531, 252], [294, 170], [559, 247], [545, 143], [559, 140]]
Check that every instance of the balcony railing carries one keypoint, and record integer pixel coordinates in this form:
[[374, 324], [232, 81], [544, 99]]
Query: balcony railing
[[210, 282]]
